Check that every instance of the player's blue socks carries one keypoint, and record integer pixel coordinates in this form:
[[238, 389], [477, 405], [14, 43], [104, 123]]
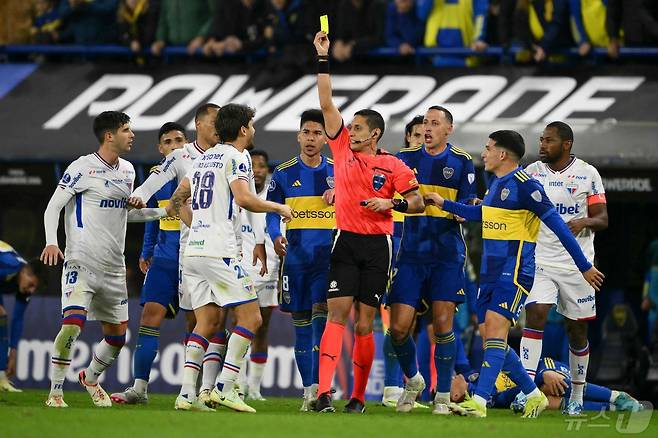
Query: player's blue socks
[[598, 393], [495, 350], [303, 349], [445, 352], [145, 351], [318, 322], [4, 343], [514, 368], [406, 353], [392, 370], [595, 406]]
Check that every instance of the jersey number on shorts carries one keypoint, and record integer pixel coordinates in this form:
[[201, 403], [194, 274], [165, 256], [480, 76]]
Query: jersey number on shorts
[[239, 270], [202, 189], [71, 277]]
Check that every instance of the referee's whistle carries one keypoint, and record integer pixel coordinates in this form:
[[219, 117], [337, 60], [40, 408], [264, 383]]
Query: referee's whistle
[[364, 203]]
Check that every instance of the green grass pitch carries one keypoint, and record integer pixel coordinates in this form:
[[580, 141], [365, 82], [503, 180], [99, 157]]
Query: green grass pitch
[[24, 415]]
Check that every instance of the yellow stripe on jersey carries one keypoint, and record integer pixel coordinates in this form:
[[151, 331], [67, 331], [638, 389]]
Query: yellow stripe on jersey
[[411, 148], [287, 164], [460, 151], [5, 247], [310, 212], [504, 224], [168, 223], [430, 210], [522, 176]]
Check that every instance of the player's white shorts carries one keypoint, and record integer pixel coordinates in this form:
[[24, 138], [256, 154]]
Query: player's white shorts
[[184, 302], [220, 281], [565, 287], [101, 293], [268, 295]]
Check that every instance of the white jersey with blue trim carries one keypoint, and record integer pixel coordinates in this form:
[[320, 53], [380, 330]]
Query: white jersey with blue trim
[[248, 243], [95, 217], [216, 225], [175, 166]]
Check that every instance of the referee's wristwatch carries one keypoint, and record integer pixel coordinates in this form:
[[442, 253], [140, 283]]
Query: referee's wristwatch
[[396, 202]]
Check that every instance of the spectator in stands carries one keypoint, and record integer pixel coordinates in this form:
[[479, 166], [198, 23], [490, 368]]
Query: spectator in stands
[[17, 19], [549, 27], [138, 21], [460, 23], [238, 26], [282, 24], [88, 21], [45, 23], [588, 24], [650, 295], [183, 23], [637, 18], [360, 27], [404, 29]]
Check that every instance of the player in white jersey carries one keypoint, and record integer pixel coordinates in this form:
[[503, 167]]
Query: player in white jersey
[[95, 192], [266, 286], [218, 184], [576, 190]]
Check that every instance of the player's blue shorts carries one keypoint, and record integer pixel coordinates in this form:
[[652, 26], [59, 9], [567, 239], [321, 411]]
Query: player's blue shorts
[[505, 298], [161, 285], [429, 282], [300, 290]]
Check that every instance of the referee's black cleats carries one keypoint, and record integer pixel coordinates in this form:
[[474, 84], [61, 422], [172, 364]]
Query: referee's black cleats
[[324, 403], [354, 406]]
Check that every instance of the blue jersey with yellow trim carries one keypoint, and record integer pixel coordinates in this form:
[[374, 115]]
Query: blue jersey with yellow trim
[[162, 238], [309, 232], [10, 263], [434, 235], [512, 210]]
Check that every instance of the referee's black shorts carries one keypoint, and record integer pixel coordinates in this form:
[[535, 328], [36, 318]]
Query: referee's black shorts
[[360, 265]]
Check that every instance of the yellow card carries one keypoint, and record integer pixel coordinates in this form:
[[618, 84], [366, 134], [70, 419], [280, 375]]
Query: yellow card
[[324, 24]]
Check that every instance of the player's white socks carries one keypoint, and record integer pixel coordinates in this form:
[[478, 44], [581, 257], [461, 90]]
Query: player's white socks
[[530, 349], [61, 356], [578, 362], [194, 351], [242, 376], [104, 354], [256, 371], [238, 344], [212, 361], [141, 386]]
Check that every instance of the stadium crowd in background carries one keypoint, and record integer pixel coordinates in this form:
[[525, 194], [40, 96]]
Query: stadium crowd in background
[[539, 30]]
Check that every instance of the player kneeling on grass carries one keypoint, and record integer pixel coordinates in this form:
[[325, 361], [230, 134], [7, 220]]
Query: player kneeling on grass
[[553, 378], [511, 212], [212, 268]]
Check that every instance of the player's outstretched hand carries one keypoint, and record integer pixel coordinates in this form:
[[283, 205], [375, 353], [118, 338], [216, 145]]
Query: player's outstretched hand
[[377, 204], [594, 277], [51, 255], [260, 254], [137, 203], [285, 212], [321, 43], [280, 245], [434, 199], [329, 196]]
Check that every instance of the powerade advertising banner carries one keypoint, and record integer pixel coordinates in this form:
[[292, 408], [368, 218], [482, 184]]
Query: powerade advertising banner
[[48, 115], [281, 378]]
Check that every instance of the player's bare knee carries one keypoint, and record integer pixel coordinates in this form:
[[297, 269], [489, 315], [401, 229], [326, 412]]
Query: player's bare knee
[[2, 311], [399, 333], [536, 315], [152, 315], [577, 333]]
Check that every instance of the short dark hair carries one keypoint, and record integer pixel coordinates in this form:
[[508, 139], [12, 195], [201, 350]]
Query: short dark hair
[[418, 120], [311, 115], [373, 119], [203, 110], [109, 121], [230, 118], [447, 113], [171, 126], [260, 153], [563, 130], [510, 140]]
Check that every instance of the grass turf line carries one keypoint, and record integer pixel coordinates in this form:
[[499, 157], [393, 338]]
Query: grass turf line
[[25, 415]]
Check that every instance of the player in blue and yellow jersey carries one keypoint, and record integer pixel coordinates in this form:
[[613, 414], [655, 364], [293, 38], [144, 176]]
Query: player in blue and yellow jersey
[[159, 262], [302, 183], [432, 256], [455, 24], [553, 378], [511, 213], [413, 137], [22, 279]]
